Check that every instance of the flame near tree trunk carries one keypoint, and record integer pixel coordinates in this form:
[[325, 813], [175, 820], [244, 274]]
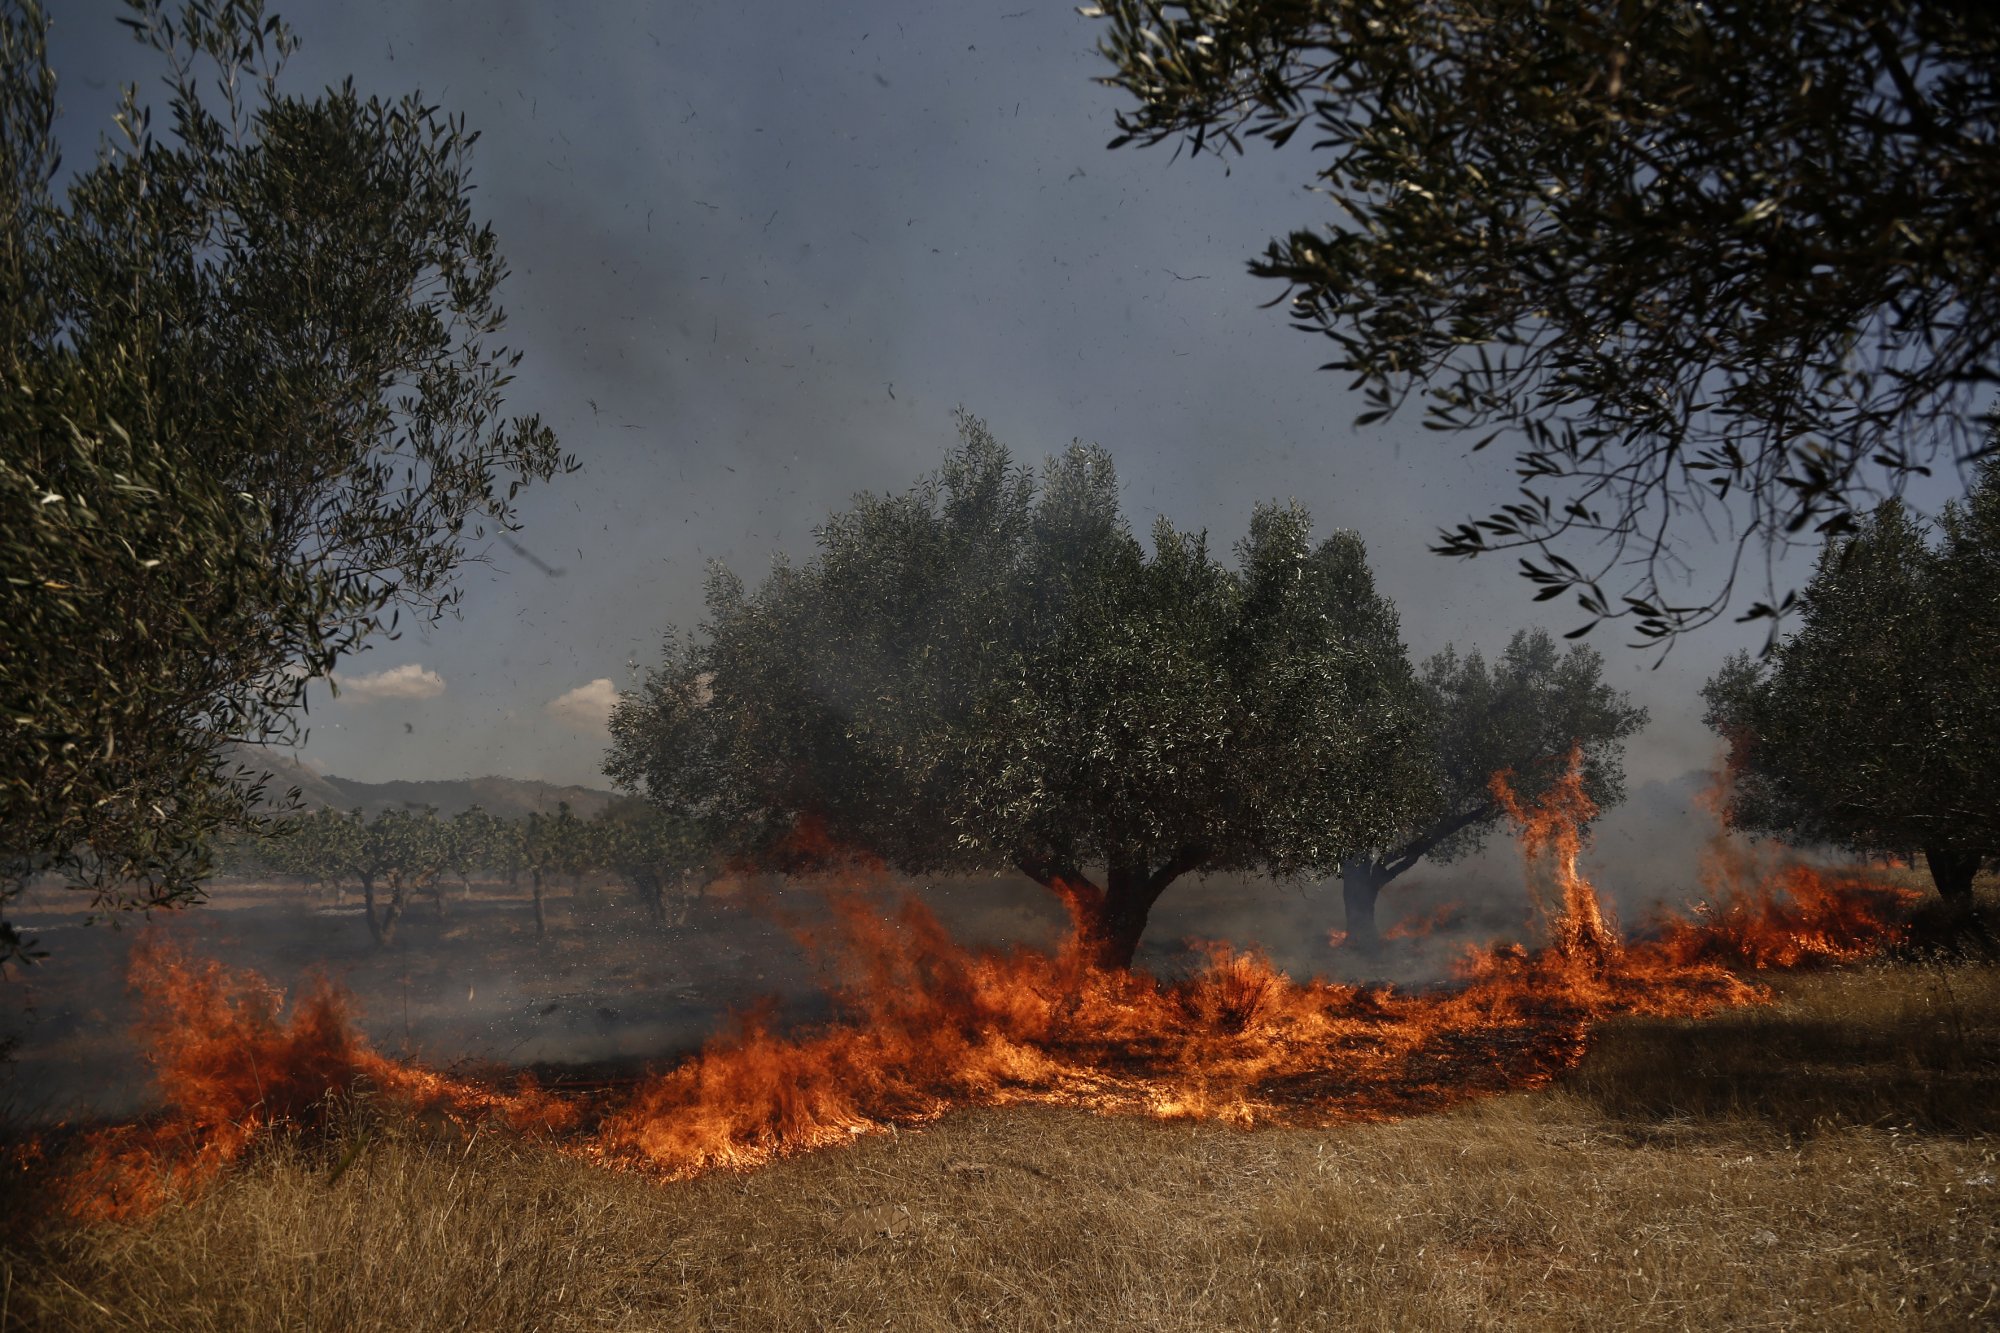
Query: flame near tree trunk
[[925, 1025], [1551, 837]]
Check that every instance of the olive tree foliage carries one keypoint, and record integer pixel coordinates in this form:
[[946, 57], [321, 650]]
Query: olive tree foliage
[[552, 845], [655, 851], [1522, 715], [1875, 724], [323, 846], [473, 834], [1718, 265], [403, 849], [253, 411], [991, 671]]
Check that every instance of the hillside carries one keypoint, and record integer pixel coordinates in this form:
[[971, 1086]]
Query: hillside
[[508, 797]]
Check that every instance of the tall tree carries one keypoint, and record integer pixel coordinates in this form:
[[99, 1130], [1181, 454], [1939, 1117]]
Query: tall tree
[[253, 411], [1523, 715], [1875, 724], [991, 671], [1708, 258]]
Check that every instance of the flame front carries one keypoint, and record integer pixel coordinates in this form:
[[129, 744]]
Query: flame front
[[231, 1064], [926, 1025]]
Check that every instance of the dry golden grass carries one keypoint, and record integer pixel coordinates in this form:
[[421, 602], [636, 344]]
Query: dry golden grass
[[1830, 1162]]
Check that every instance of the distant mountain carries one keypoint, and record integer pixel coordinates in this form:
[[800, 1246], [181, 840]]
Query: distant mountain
[[510, 798]]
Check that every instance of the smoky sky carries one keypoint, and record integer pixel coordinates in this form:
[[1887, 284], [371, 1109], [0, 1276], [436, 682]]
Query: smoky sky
[[760, 253]]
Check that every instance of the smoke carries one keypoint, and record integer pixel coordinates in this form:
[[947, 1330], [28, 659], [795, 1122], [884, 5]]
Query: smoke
[[471, 989], [755, 266]]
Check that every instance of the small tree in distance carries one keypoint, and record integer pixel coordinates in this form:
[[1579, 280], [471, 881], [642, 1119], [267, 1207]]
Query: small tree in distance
[[1876, 724], [1523, 714], [991, 671], [652, 850], [551, 845], [473, 833]]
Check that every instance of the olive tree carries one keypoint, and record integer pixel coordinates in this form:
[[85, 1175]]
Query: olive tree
[[991, 671], [654, 851], [473, 833], [407, 849], [551, 845], [1874, 725], [253, 412], [311, 847], [1522, 715], [1714, 264]]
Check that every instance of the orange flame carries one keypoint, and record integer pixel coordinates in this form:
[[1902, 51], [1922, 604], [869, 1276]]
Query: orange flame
[[231, 1064], [1422, 925], [1768, 909], [926, 1025], [1551, 834]]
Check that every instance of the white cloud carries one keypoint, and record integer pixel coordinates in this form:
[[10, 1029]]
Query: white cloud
[[409, 681], [587, 707]]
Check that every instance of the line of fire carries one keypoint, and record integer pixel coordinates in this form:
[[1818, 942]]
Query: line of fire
[[919, 1025]]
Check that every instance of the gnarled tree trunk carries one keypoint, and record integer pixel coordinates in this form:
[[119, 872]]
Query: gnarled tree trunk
[[1111, 920], [392, 914], [541, 916], [1362, 878], [1953, 870], [1361, 881]]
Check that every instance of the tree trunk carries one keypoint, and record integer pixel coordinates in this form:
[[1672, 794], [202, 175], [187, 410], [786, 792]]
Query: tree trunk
[[651, 889], [393, 913], [368, 898], [1112, 938], [1361, 882], [1111, 920], [541, 918], [468, 886], [1952, 870]]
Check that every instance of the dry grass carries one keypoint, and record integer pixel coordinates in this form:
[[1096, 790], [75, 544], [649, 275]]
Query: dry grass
[[1829, 1162]]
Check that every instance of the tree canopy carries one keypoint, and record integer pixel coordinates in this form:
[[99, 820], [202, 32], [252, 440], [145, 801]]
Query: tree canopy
[[991, 671], [253, 411], [1719, 265], [1874, 726], [1522, 715]]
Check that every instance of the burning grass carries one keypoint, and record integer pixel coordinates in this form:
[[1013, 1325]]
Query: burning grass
[[925, 1027], [231, 1063], [1671, 1180]]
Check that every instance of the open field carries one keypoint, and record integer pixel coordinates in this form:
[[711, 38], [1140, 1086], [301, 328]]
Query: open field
[[1829, 1161]]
